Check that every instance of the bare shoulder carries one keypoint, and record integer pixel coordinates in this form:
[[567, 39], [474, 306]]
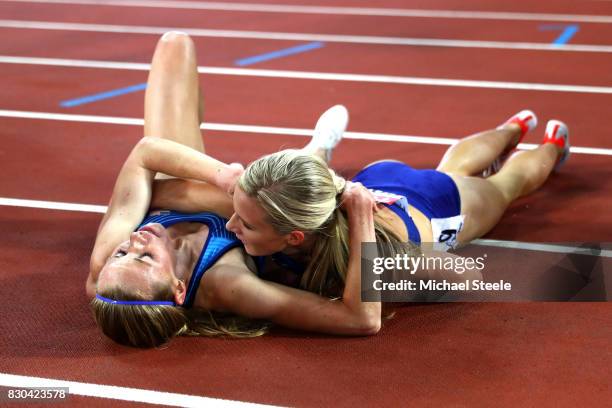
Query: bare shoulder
[[237, 259], [230, 267], [226, 272]]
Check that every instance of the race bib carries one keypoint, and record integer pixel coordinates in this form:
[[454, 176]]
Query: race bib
[[445, 231]]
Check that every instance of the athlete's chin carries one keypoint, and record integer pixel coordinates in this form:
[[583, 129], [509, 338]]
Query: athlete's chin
[[252, 251], [249, 250]]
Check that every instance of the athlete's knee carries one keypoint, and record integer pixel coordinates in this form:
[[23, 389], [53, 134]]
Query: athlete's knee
[[175, 54], [175, 42], [175, 37]]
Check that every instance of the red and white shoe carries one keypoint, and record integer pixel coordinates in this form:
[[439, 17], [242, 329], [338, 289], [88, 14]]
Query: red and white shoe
[[527, 120], [557, 133]]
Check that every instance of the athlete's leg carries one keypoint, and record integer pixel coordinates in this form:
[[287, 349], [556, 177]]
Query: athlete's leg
[[525, 171], [483, 201], [173, 103], [473, 154]]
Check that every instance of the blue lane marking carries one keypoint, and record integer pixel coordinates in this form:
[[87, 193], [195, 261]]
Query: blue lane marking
[[104, 95], [566, 35], [278, 54]]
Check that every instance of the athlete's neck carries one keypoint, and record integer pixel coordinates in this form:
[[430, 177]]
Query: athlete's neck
[[188, 248]]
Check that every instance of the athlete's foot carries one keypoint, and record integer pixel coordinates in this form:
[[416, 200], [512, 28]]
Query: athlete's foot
[[521, 123], [524, 121], [557, 133], [328, 132]]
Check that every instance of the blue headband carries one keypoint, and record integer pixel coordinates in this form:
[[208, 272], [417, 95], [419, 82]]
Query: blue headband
[[135, 302]]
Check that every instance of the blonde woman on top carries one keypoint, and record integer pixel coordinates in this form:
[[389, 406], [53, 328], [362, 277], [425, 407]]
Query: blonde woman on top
[[290, 202]]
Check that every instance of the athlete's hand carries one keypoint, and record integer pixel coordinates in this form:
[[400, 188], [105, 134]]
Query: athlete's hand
[[358, 199], [360, 205], [228, 178]]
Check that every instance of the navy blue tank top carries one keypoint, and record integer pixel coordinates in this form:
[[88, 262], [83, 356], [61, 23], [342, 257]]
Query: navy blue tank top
[[218, 242]]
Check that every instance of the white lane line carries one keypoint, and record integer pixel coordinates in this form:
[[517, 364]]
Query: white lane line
[[52, 205], [120, 393], [61, 206], [554, 248], [265, 35], [354, 11], [321, 76], [226, 127]]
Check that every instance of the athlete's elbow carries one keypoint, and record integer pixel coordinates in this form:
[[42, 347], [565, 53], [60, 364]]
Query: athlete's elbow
[[370, 326], [366, 319], [141, 150], [371, 329], [146, 144]]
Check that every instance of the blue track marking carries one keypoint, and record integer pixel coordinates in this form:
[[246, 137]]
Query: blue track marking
[[104, 95], [279, 54], [566, 35]]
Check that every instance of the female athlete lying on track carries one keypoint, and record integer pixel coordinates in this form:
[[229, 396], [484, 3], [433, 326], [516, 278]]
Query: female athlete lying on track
[[289, 205]]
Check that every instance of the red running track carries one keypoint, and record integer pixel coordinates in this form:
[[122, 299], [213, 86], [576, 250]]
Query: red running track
[[429, 355]]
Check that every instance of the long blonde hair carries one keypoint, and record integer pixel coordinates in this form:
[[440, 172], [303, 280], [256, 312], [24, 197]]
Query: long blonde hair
[[148, 326], [299, 192]]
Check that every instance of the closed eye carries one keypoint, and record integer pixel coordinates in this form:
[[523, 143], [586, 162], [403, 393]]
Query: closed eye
[[247, 226], [120, 253]]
